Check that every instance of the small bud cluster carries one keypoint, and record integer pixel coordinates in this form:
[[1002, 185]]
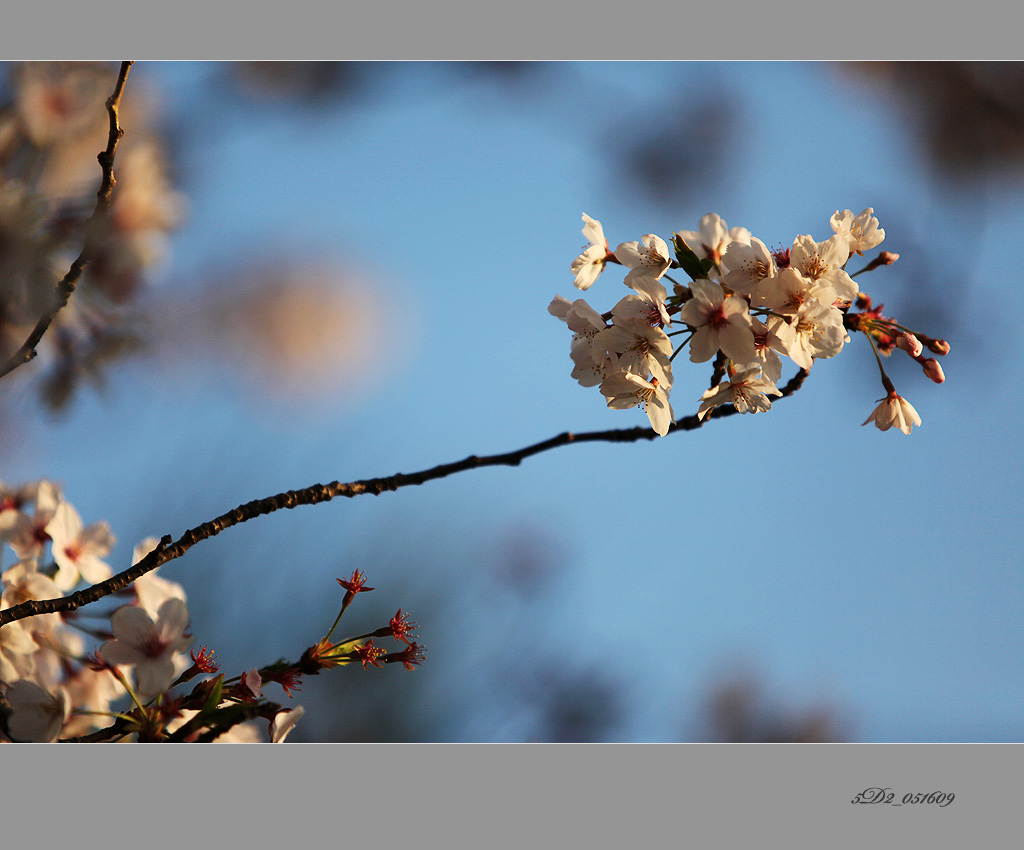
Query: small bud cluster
[[63, 679], [744, 307]]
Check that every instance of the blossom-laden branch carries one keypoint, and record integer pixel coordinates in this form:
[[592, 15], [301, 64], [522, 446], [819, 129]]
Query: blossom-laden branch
[[167, 550], [745, 306], [93, 229]]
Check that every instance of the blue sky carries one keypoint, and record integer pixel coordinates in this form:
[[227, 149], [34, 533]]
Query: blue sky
[[873, 571]]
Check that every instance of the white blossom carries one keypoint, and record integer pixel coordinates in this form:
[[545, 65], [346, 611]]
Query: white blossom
[[36, 714], [627, 389], [713, 237], [588, 266], [720, 323], [647, 260], [861, 232], [747, 390], [78, 551], [147, 644], [894, 411]]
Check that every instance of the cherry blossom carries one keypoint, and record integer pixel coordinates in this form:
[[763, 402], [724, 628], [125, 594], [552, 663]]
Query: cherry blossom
[[639, 348], [627, 389], [588, 266], [16, 649], [647, 260], [747, 390], [644, 306], [77, 551], [241, 733], [894, 411], [749, 264], [27, 535], [152, 589], [590, 362], [861, 232], [824, 261], [720, 322], [147, 644], [36, 714], [768, 346], [283, 723], [790, 290], [713, 237], [815, 331], [23, 582]]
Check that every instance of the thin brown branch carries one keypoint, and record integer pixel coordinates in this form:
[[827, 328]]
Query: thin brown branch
[[93, 231], [167, 550]]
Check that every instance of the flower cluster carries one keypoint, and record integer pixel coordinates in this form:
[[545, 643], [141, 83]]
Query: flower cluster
[[744, 307], [64, 675], [49, 137]]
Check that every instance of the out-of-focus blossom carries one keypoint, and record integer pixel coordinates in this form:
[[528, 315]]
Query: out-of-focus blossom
[[58, 101], [36, 714], [78, 551], [16, 649]]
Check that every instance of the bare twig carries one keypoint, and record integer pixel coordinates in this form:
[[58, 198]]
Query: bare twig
[[93, 231], [167, 550]]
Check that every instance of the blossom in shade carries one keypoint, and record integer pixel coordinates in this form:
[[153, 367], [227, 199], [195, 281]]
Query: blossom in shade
[[368, 654], [638, 305], [894, 411], [409, 657], [23, 582], [151, 589], [27, 535], [78, 551], [283, 723], [768, 346], [401, 626], [353, 586], [290, 679], [16, 649], [590, 363], [36, 714], [148, 644], [14, 501], [251, 686]]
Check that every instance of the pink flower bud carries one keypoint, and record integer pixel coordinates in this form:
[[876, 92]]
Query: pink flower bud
[[933, 370], [910, 344], [887, 258]]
